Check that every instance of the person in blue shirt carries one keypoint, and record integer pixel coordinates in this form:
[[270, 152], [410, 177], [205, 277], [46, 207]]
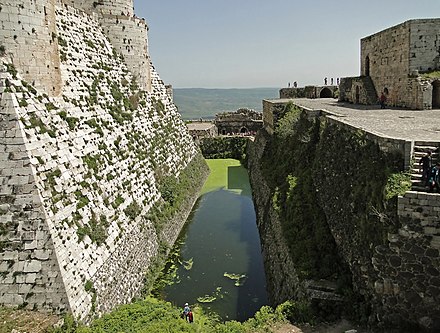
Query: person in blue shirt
[[434, 180], [187, 313]]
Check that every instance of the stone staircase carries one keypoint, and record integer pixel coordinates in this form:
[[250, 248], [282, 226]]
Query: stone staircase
[[420, 149], [370, 90]]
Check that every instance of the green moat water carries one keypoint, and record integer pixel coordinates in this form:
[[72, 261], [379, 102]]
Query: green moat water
[[217, 261]]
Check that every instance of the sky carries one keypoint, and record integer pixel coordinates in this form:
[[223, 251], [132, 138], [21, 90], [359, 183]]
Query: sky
[[266, 43]]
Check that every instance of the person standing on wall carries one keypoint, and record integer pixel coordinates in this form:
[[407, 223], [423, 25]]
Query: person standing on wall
[[434, 180], [382, 100], [425, 167]]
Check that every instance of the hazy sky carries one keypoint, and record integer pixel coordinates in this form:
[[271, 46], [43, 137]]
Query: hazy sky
[[266, 43]]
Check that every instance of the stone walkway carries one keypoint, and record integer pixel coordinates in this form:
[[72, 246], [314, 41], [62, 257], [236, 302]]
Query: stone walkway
[[420, 125]]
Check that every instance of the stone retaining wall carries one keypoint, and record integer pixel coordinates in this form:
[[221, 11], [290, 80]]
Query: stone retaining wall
[[281, 277], [392, 252]]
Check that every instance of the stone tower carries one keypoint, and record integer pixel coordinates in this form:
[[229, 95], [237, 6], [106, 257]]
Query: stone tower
[[29, 36], [127, 33]]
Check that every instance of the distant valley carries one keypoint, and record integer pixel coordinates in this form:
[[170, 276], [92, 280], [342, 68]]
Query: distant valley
[[195, 103]]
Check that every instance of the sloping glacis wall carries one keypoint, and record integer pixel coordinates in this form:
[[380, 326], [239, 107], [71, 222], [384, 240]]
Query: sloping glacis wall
[[80, 173]]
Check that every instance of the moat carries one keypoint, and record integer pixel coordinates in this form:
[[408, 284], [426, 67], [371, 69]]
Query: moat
[[217, 260]]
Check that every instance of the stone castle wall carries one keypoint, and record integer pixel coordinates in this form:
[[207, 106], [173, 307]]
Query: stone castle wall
[[394, 56], [29, 271], [29, 35], [388, 54], [128, 35], [33, 42], [106, 7], [424, 45], [83, 172], [397, 270], [282, 278]]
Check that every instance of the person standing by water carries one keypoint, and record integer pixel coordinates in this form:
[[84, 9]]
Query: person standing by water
[[187, 313]]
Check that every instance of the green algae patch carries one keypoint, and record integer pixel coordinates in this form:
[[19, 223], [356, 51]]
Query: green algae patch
[[211, 298], [228, 174], [239, 279], [188, 264]]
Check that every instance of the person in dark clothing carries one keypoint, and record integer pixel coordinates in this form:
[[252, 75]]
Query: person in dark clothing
[[382, 100], [434, 180], [425, 167]]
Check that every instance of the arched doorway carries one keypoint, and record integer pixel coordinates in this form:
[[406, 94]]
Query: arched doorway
[[436, 94], [358, 93], [367, 66], [243, 130], [325, 93]]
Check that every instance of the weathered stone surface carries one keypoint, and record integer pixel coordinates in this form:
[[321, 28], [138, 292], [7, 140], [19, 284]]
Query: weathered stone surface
[[79, 172]]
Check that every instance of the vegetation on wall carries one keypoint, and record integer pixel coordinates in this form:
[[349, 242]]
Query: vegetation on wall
[[319, 171], [431, 75], [287, 165], [224, 147], [175, 191]]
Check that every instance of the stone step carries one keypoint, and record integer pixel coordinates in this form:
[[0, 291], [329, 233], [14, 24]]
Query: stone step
[[427, 143]]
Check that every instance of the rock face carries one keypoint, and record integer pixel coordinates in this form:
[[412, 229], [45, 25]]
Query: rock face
[[84, 145]]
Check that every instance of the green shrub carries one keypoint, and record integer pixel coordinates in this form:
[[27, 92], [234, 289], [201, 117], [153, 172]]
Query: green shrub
[[397, 184]]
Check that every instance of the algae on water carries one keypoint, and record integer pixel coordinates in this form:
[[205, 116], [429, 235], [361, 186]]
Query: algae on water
[[187, 264], [238, 278], [211, 298]]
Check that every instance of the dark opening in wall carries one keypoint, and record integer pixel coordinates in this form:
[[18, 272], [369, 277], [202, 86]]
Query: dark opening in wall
[[436, 94], [326, 93], [367, 66]]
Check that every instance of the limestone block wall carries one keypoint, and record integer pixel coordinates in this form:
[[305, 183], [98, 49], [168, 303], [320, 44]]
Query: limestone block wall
[[128, 35], [29, 271], [92, 160], [424, 45], [386, 55], [28, 34], [107, 7], [392, 58], [126, 32]]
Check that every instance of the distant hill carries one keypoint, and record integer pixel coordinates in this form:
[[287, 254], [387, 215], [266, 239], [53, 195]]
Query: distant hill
[[194, 103]]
